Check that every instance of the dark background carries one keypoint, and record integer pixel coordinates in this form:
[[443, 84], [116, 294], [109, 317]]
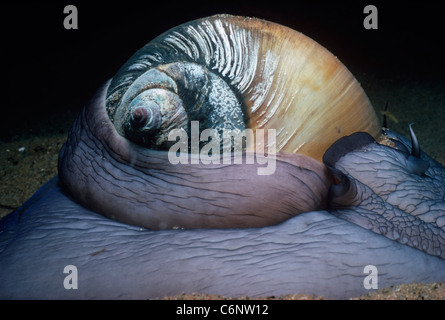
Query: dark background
[[48, 70]]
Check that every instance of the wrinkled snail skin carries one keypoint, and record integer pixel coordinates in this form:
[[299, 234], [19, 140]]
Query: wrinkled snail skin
[[110, 175], [314, 253], [311, 227], [404, 201], [228, 73]]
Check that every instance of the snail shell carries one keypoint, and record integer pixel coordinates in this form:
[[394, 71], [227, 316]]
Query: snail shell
[[234, 73], [228, 73]]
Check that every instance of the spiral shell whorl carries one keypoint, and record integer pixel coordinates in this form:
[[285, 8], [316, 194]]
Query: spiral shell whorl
[[256, 74]]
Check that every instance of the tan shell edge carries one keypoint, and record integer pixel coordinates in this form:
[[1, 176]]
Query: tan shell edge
[[312, 98]]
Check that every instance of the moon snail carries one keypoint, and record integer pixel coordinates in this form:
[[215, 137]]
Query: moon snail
[[226, 73], [337, 200]]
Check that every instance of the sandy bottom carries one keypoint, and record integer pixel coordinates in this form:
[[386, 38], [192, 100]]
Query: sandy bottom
[[29, 159], [414, 291]]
